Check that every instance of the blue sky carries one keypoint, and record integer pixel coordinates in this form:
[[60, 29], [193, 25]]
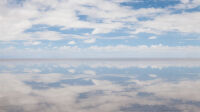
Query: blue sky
[[100, 29]]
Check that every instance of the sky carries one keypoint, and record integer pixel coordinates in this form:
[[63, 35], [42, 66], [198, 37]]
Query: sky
[[99, 28]]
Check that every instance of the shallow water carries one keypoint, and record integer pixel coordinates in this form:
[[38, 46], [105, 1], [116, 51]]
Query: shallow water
[[129, 85]]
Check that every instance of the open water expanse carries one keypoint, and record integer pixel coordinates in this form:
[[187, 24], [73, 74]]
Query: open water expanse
[[100, 85]]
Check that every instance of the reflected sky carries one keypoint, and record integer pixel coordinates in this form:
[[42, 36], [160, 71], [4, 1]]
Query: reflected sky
[[100, 85]]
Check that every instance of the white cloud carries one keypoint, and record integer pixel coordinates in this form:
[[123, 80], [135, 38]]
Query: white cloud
[[119, 51], [187, 4], [36, 43], [71, 42], [90, 72], [102, 16], [15, 20], [32, 70], [71, 70], [185, 1], [92, 40], [152, 37], [69, 48], [18, 18], [153, 75], [174, 22], [45, 35], [32, 43]]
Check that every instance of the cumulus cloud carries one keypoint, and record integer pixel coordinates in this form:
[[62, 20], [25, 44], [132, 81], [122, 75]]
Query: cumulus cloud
[[71, 70], [173, 22], [32, 43], [93, 40], [185, 1], [90, 72], [187, 4], [103, 16], [71, 42], [66, 14], [22, 21], [45, 35], [152, 37], [153, 75]]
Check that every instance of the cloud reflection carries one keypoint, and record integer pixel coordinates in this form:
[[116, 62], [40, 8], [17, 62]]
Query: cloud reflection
[[92, 89]]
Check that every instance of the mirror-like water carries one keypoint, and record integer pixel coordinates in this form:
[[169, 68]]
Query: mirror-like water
[[100, 85]]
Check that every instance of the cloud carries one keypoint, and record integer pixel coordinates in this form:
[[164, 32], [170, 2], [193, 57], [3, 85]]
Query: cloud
[[187, 4], [71, 42], [89, 41], [36, 43], [32, 43], [152, 37], [185, 1], [71, 70], [172, 22], [102, 16], [72, 19], [90, 72], [118, 51], [45, 35], [153, 75]]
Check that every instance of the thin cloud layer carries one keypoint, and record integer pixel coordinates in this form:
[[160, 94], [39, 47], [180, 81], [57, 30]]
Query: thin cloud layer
[[120, 51]]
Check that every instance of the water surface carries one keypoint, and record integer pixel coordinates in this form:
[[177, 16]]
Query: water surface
[[129, 85]]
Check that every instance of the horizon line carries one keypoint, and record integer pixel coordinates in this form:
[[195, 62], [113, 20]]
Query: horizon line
[[100, 58]]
